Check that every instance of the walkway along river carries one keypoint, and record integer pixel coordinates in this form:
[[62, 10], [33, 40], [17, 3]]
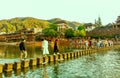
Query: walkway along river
[[97, 63]]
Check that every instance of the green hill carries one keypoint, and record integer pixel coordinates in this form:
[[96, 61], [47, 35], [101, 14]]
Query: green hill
[[18, 23], [69, 23], [15, 24]]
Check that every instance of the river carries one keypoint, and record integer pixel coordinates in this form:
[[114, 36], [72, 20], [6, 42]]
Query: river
[[98, 65]]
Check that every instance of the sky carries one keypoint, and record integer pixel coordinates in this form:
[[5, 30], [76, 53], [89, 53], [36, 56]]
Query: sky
[[82, 11]]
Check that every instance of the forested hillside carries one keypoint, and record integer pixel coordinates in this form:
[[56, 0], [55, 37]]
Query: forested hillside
[[18, 23], [71, 24], [15, 24]]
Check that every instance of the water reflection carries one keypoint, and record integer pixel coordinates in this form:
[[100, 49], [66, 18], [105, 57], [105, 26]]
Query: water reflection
[[104, 64], [56, 70], [24, 73], [8, 74], [0, 75], [45, 74], [17, 72], [33, 68], [12, 51]]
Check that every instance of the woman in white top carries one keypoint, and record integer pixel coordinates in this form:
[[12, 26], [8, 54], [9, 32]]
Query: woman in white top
[[45, 47]]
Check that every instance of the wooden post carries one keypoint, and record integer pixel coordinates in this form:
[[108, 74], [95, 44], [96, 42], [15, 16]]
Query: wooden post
[[33, 62], [45, 59], [78, 54], [68, 55], [25, 63], [56, 57], [81, 53], [75, 54], [72, 54], [51, 58], [17, 65], [1, 68], [65, 56], [8, 67], [60, 56], [39, 60], [86, 52]]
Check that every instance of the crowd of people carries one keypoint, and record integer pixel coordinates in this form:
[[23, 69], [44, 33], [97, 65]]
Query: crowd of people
[[91, 43], [76, 43]]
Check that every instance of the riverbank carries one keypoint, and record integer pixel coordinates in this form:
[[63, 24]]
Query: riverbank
[[16, 43]]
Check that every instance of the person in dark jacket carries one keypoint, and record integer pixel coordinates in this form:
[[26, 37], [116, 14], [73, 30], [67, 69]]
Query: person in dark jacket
[[56, 50], [23, 49]]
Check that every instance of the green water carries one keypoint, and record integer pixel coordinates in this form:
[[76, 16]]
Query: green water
[[11, 53], [98, 65]]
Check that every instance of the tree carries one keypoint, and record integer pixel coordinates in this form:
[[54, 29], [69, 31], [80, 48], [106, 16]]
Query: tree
[[81, 31], [69, 33], [98, 22], [51, 30], [77, 33], [53, 26], [81, 27]]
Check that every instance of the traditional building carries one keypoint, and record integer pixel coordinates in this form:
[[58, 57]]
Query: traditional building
[[28, 34], [117, 23], [89, 26], [2, 37], [62, 26]]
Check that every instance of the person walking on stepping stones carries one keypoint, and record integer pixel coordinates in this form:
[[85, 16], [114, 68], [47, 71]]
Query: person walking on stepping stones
[[56, 50], [45, 47], [23, 49]]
